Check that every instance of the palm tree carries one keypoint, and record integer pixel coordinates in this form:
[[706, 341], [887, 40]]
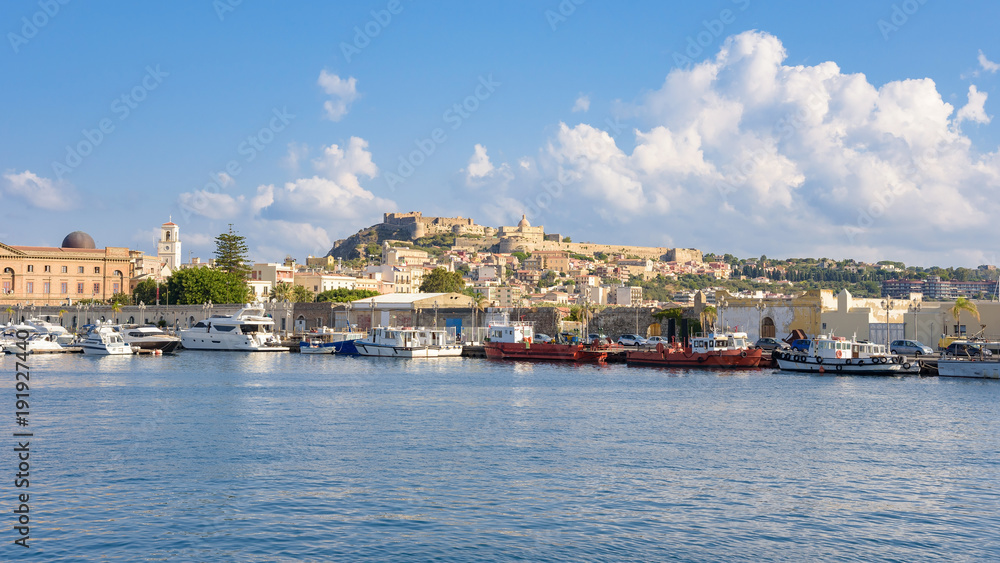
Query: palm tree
[[10, 314], [61, 313], [302, 295], [963, 304], [116, 308], [707, 317], [281, 292]]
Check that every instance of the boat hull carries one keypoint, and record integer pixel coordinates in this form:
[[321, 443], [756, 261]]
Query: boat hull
[[240, 343], [164, 345], [97, 350], [839, 366], [680, 359], [369, 349], [974, 369], [319, 348], [542, 351]]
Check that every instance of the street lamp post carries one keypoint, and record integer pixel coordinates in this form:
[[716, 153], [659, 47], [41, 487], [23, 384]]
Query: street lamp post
[[760, 318], [887, 303], [915, 311]]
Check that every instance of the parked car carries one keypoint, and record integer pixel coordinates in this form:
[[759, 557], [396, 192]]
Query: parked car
[[631, 340], [801, 345], [770, 344], [593, 337], [909, 348], [654, 340], [962, 349], [543, 338]]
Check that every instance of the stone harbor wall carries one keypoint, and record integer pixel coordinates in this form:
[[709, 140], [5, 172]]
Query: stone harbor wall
[[616, 321]]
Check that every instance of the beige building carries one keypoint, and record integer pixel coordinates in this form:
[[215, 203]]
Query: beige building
[[318, 282], [402, 256], [42, 275]]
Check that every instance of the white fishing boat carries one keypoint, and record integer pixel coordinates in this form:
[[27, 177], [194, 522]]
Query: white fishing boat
[[317, 346], [247, 330], [838, 355], [105, 341], [409, 343]]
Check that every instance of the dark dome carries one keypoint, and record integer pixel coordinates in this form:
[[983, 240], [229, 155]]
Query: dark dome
[[78, 239]]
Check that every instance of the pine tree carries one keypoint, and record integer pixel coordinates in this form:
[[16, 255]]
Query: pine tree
[[231, 254]]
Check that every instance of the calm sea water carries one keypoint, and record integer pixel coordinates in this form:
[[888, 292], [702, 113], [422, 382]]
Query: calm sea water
[[282, 457]]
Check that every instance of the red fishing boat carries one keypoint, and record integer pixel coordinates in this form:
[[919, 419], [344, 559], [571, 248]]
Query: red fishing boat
[[713, 350], [514, 341]]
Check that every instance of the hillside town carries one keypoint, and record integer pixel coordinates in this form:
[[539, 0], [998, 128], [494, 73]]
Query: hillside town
[[507, 267]]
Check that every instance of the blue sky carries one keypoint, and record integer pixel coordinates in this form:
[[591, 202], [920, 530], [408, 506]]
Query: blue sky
[[848, 129]]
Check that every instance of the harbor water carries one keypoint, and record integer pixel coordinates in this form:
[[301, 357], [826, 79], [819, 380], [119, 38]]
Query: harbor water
[[205, 456]]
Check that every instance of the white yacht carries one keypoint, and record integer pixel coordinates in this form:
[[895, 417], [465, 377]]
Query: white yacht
[[61, 335], [149, 338], [37, 343], [105, 341], [248, 330], [408, 343]]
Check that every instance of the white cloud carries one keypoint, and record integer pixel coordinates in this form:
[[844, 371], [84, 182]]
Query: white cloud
[[974, 110], [304, 215], [582, 103], [213, 205], [344, 92], [744, 154], [225, 180], [986, 64], [297, 152], [479, 163], [40, 192]]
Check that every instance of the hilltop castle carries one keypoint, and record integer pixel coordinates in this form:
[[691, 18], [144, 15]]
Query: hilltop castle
[[523, 238]]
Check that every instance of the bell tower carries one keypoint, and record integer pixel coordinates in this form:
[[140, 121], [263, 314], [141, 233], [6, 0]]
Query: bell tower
[[168, 248]]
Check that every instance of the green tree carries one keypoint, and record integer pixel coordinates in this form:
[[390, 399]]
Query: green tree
[[963, 304], [567, 239], [708, 316], [342, 295], [145, 291], [302, 295], [231, 254], [194, 286], [282, 291], [120, 299], [442, 281]]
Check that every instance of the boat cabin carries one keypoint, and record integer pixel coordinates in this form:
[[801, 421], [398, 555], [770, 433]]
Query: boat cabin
[[511, 332], [715, 342]]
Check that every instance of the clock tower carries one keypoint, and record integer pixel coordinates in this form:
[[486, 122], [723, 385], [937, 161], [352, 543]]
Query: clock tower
[[168, 248]]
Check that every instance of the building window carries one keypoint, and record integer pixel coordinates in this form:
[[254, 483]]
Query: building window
[[31, 268], [97, 269], [29, 287], [48, 269], [46, 287], [64, 269], [6, 287], [64, 288], [79, 288], [97, 288], [79, 270], [114, 288]]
